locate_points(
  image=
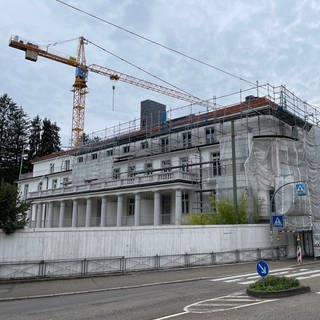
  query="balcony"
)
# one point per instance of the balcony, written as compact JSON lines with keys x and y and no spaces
{"x":162,"y":177}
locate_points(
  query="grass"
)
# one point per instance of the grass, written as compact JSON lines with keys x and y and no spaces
{"x":274,"y":284}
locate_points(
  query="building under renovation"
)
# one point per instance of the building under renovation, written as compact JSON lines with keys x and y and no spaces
{"x":158,"y":169}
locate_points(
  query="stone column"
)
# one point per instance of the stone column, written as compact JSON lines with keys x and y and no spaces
{"x":74,"y":213}
{"x":156,"y":208}
{"x":137,"y":209}
{"x":178,"y":207}
{"x":50,"y":212}
{"x":43,"y":214}
{"x":33,"y":214}
{"x":38,"y":215}
{"x":61,"y":213}
{"x":103,"y":219}
{"x":119,"y":209}
{"x":88,"y":212}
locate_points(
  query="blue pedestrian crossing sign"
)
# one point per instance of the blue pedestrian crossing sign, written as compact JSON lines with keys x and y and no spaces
{"x":300,"y":189}
{"x":262,"y":268}
{"x":278,"y":222}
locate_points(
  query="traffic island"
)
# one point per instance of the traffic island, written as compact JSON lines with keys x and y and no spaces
{"x":276,"y":287}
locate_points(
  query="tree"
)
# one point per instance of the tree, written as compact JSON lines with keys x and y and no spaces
{"x":12,"y":209}
{"x":13,"y":138}
{"x":34,"y":138}
{"x":50,"y":138}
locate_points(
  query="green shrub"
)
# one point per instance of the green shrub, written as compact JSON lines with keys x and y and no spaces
{"x":274,"y":283}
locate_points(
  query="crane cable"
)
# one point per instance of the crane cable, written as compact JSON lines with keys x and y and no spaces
{"x":139,"y":68}
{"x":156,"y":43}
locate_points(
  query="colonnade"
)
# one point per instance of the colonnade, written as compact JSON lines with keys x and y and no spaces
{"x":52,"y":213}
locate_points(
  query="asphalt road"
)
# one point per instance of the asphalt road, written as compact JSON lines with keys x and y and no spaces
{"x":201,"y":293}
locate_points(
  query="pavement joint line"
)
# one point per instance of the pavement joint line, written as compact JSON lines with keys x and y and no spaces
{"x":101,"y":290}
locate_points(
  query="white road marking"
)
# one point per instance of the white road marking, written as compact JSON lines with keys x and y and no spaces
{"x":204,"y":306}
{"x":233,"y":277}
{"x":308,"y":277}
{"x":245,"y":279}
{"x":302,"y":273}
{"x":246,"y":275}
{"x":172,"y":315}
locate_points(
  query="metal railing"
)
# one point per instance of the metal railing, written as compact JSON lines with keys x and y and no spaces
{"x":100,"y":266}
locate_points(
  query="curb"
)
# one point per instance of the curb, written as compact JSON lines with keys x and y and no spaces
{"x":278,"y":294}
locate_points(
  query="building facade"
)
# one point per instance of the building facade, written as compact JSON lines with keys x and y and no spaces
{"x":162,"y":170}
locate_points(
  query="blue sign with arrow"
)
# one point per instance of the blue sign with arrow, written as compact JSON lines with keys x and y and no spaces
{"x":262,"y":268}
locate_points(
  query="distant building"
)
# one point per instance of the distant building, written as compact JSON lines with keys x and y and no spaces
{"x":159,"y":172}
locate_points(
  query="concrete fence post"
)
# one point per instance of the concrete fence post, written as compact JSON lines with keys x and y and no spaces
{"x":213,"y":258}
{"x":41,"y":272}
{"x":123,"y":264}
{"x":259,"y":254}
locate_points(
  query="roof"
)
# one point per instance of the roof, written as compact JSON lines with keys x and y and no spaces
{"x":250,"y":103}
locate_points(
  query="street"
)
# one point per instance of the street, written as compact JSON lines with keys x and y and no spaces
{"x":200,"y":293}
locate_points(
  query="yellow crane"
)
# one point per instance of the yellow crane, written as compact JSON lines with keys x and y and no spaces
{"x":32,"y":51}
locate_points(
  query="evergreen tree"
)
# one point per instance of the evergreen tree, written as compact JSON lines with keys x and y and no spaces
{"x":12,"y":210}
{"x":50,"y":138}
{"x":35,"y":138}
{"x":13,"y":138}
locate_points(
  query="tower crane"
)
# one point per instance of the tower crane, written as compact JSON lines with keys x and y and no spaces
{"x":32,"y":51}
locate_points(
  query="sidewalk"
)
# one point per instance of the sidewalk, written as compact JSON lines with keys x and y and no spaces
{"x":15,"y":290}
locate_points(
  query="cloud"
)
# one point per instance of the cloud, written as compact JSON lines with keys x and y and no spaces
{"x":275,"y":41}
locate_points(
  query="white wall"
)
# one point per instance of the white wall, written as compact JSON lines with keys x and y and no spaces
{"x":68,"y":243}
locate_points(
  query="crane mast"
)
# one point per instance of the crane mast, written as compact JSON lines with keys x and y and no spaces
{"x":79,"y":96}
{"x":32,"y":51}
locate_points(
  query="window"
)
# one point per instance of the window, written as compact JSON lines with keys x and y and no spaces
{"x":186,"y":139}
{"x":166,"y":165}
{"x":165,"y":144}
{"x":67,"y":165}
{"x":51,"y":167}
{"x":40,"y":186}
{"x":130,"y":206}
{"x":148,"y":168}
{"x":80,"y":159}
{"x":54,"y":183}
{"x":94,"y":156}
{"x":25,"y":191}
{"x":184,"y":164}
{"x":131,"y":171}
{"x":144,"y":145}
{"x":126,"y":149}
{"x":185,"y":202}
{"x":65,"y":181}
{"x":210,"y":138}
{"x":216,"y":166}
{"x":109,"y":153}
{"x":116,"y":173}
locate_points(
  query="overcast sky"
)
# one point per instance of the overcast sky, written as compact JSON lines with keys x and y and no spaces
{"x":269,"y":41}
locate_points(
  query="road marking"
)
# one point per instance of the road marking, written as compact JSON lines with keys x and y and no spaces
{"x":245,"y":279}
{"x":308,"y":277}
{"x":208,"y":306}
{"x":233,"y":301}
{"x":172,"y":315}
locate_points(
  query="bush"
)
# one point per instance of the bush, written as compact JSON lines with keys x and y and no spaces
{"x":274,"y":283}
